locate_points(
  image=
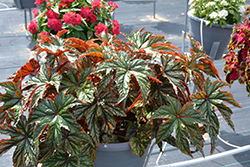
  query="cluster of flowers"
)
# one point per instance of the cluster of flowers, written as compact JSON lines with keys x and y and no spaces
{"x":220,"y":12}
{"x":83,"y":19}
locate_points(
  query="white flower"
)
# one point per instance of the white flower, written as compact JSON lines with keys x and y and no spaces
{"x":223,"y":14}
{"x":210,"y":4}
{"x":224,"y":3}
{"x":242,"y":9}
{"x":192,"y":11}
{"x":213,"y":15}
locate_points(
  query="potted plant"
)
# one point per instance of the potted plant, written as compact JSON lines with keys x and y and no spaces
{"x":83,"y":19}
{"x":77,"y":96}
{"x":236,"y":61}
{"x":219,"y":17}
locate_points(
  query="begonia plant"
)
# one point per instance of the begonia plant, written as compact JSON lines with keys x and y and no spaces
{"x":221,"y":12}
{"x":237,"y":60}
{"x":83,"y":19}
{"x":75,"y":95}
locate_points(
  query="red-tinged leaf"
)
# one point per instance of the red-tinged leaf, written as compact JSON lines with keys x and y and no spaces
{"x":137,"y":101}
{"x":213,"y":96}
{"x":172,"y":70}
{"x":31,"y":67}
{"x":95,"y":79}
{"x":181,"y":120}
{"x":102,"y":107}
{"x":78,"y":83}
{"x":11,"y":98}
{"x":22,"y":137}
{"x":60,"y":33}
{"x":95,"y":56}
{"x":155,"y":79}
{"x":72,"y":142}
{"x":93,"y":46}
{"x":77,"y":43}
{"x":139,"y":145}
{"x":211,"y":66}
{"x":45,"y":39}
{"x":160,"y":92}
{"x":163,"y":46}
{"x":232,"y":76}
{"x":40,"y":84}
{"x":63,"y":159}
{"x":196,"y":47}
{"x":127,"y":67}
{"x":55,"y":113}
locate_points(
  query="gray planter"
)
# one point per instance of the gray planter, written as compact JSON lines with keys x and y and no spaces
{"x":210,"y":35}
{"x":25,"y":4}
{"x":118,"y":155}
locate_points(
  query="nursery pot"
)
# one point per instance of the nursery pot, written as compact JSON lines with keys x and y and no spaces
{"x":118,"y":155}
{"x":210,"y":34}
{"x":24,"y":4}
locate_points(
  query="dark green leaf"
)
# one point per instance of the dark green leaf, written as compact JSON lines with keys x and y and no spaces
{"x":40,"y":83}
{"x":77,"y":83}
{"x":173,"y":72}
{"x":181,"y":119}
{"x":63,"y":159}
{"x":10,"y":98}
{"x":139,"y":145}
{"x":126,"y":67}
{"x":104,"y":107}
{"x":72,"y":142}
{"x":21,"y":137}
{"x":211,"y":96}
{"x":54,"y":114}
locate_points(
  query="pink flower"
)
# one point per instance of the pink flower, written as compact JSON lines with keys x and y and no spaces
{"x":52,"y":15}
{"x":96,"y":3}
{"x":35,"y":12}
{"x":55,"y":24}
{"x":100,"y":28}
{"x":88,"y":14}
{"x":63,"y":6}
{"x":50,"y":4}
{"x":72,"y":18}
{"x":38,"y":2}
{"x":68,"y":1}
{"x":32,"y":28}
{"x":112,"y":4}
{"x":44,"y":33}
{"x":116,"y":28}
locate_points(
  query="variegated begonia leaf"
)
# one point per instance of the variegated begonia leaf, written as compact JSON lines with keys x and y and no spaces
{"x":54,"y":115}
{"x":183,"y":120}
{"x":76,"y":83}
{"x":125,"y":68}
{"x":211,"y":96}
{"x":104,"y":107}
{"x":22,"y":137}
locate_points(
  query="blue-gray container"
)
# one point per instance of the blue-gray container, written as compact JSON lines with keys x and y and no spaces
{"x":210,"y":34}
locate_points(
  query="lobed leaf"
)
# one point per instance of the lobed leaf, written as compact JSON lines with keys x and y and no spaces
{"x":182,"y":120}
{"x":211,"y":96}
{"x":103,"y":107}
{"x":54,"y":115}
{"x":21,"y":137}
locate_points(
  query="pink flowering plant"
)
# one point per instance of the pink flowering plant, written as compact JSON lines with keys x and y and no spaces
{"x":83,"y":19}
{"x":237,"y":60}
